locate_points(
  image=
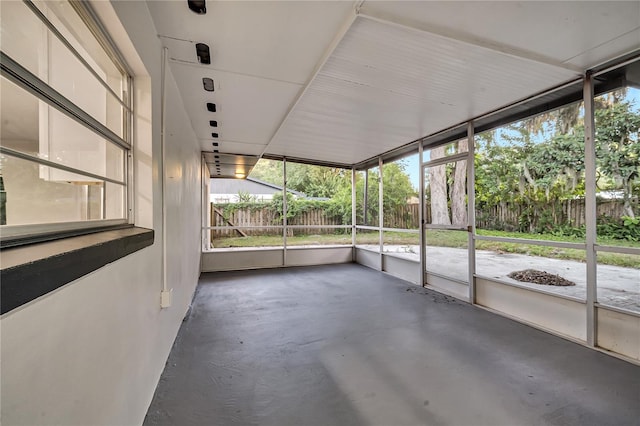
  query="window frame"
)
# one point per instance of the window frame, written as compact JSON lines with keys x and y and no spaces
{"x":14,"y":72}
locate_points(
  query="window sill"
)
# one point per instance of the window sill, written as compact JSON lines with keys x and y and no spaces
{"x":31,"y":271}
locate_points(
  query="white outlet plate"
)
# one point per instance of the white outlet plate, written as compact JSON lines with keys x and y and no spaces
{"x":166,"y":298}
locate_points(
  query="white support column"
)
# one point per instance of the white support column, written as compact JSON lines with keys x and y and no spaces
{"x":130,"y":160}
{"x":162,"y":167}
{"x":205,"y":235}
{"x":284,"y":212}
{"x":421,"y":215}
{"x":365,"y":203}
{"x":380,"y":212}
{"x":354,"y":216}
{"x":590,"y":207}
{"x":471,"y":210}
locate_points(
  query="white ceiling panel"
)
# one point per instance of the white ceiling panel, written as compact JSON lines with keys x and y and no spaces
{"x":559,"y":30}
{"x":248,"y":109}
{"x":386,"y":85}
{"x":612,"y":49}
{"x":292,"y":80}
{"x":262,"y":56}
{"x":281,"y":40}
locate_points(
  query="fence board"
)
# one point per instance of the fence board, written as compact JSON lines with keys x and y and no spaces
{"x":508,"y":217}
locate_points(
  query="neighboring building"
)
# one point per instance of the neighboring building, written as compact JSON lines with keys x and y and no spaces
{"x":229,"y":190}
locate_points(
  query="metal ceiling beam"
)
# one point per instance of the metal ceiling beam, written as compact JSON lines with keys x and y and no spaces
{"x":307,"y":161}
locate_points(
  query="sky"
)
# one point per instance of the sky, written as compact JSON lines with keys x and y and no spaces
{"x":413,"y":170}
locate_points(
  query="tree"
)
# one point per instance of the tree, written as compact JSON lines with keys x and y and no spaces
{"x":447,"y":186}
{"x":556,"y":166}
{"x":397,"y":188}
{"x":459,"y":190}
{"x":618,"y":147}
{"x":314,"y":181}
{"x":437,"y":187}
{"x":497,"y":171}
{"x":268,"y":171}
{"x":367,"y":187}
{"x":318,"y":181}
{"x":534,"y":163}
{"x":526,"y":171}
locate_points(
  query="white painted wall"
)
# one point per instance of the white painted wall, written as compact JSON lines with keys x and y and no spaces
{"x":447,"y":286}
{"x":368,"y":258}
{"x":619,"y":332}
{"x":93,"y":351}
{"x":560,"y":315}
{"x":405,"y":269}
{"x":306,"y":256}
{"x":272,"y":257}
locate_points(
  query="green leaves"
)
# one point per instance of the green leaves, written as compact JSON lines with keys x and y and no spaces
{"x":539,"y":160}
{"x":626,"y":228}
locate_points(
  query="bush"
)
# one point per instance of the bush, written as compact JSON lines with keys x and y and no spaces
{"x":625,"y":228}
{"x":228,"y":209}
{"x":569,"y":231}
{"x":295,"y":207}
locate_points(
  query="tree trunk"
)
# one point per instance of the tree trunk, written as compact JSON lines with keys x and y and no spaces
{"x":459,"y":192}
{"x":627,"y":209}
{"x":438,"y":187}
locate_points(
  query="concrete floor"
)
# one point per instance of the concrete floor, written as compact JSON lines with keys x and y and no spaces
{"x":346,"y":345}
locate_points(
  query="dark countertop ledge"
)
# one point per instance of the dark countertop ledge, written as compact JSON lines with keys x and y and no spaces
{"x":30,"y":271}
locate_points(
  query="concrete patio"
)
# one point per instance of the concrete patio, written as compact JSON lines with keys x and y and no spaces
{"x":617,"y":286}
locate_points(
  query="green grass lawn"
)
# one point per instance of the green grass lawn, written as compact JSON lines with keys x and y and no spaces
{"x":276,"y":240}
{"x":442,"y":238}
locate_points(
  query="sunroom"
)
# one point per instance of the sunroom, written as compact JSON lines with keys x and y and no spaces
{"x":369,"y":212}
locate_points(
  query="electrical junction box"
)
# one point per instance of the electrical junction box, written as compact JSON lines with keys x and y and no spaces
{"x":166,"y":298}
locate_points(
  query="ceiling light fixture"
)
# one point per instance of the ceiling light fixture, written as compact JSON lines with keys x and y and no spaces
{"x":213,"y":123}
{"x":214,"y":135}
{"x":202,"y":51}
{"x":198,"y":6}
{"x":208,"y":84}
{"x":211,"y":107}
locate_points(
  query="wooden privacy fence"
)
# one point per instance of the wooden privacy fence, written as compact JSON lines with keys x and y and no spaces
{"x":506,"y":216}
{"x":265,"y":216}
{"x":511,"y":217}
{"x":243,"y":217}
{"x":404,"y":217}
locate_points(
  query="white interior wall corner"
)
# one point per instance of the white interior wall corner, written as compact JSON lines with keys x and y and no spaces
{"x":93,"y":351}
